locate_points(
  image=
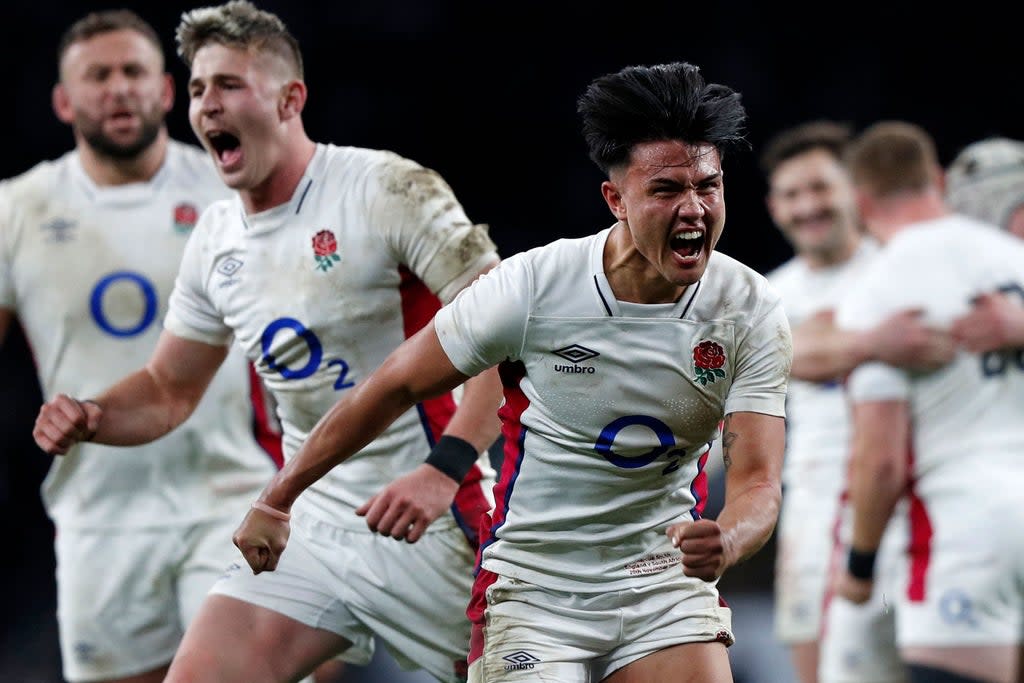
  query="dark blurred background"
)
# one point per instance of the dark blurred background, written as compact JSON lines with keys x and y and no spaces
{"x":485,"y":93}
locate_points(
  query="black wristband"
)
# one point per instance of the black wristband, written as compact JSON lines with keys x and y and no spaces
{"x":453,"y":456}
{"x":861,"y":564}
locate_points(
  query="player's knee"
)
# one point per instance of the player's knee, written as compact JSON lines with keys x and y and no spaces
{"x":926,"y":674}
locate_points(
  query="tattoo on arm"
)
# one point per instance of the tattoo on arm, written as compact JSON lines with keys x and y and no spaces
{"x":728,"y":439}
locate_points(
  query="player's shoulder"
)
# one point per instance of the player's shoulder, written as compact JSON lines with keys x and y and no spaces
{"x":42,"y":180}
{"x":787,"y":274}
{"x":383,"y":172}
{"x":360,"y":160}
{"x":732,"y":290}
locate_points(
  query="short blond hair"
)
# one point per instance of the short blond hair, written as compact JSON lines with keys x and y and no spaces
{"x":237,"y":23}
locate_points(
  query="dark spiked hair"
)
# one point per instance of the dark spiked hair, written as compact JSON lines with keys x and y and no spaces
{"x":662,"y":102}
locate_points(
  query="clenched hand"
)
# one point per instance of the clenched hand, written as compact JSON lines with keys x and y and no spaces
{"x":64,"y":421}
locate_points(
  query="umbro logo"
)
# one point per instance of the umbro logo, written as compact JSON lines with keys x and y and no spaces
{"x":229,"y":266}
{"x":520,"y":659}
{"x":60,"y":229}
{"x":574,"y":353}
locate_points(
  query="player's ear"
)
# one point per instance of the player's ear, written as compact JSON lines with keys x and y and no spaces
{"x":62,"y":104}
{"x":167,"y":96}
{"x":293,"y":100}
{"x":613,"y":197}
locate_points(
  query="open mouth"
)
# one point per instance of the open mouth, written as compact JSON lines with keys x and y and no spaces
{"x":689,"y":244}
{"x":226,"y":146}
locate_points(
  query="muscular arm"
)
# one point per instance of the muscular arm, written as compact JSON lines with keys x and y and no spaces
{"x":878,"y":467}
{"x":823,"y":352}
{"x":752,"y":450}
{"x":140,"y":408}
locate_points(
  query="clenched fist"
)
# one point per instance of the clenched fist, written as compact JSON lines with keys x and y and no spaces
{"x":64,"y":421}
{"x":262,"y":538}
{"x":704,"y":547}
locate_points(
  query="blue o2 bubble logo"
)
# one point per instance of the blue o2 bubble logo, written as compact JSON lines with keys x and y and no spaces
{"x":607,"y":439}
{"x":313,"y":346}
{"x":316,"y":349}
{"x":146,"y":289}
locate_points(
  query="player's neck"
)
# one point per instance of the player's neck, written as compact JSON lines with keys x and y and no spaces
{"x":890,"y":216}
{"x":279,"y":187}
{"x":105,"y":170}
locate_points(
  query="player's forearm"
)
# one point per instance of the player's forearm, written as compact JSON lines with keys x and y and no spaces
{"x":476,"y":419}
{"x":878,"y":467}
{"x":748,"y":519}
{"x":348,"y":426}
{"x":825,"y":355}
{"x":138,"y":410}
{"x":752,"y":451}
{"x":877,"y":481}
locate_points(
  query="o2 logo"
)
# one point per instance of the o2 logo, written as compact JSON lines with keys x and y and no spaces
{"x":666,"y":440}
{"x":149,"y":300}
{"x":313,"y":346}
{"x":999,"y":361}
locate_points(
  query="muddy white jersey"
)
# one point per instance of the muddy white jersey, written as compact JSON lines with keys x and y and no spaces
{"x":318,"y":291}
{"x":88,"y":271}
{"x":817,"y":415}
{"x":973,"y":406}
{"x":610,"y":407}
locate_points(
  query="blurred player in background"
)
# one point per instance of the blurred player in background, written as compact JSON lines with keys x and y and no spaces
{"x":986,"y":181}
{"x":811,"y":201}
{"x":959,"y":613}
{"x":89,"y":248}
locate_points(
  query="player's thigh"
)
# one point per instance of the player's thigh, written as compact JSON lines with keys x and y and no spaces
{"x":117,"y":601}
{"x":530,"y":634}
{"x":413,"y":597}
{"x":687,"y":663}
{"x":535,"y":634}
{"x":233,"y":640}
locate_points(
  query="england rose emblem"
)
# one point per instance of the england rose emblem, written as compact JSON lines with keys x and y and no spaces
{"x":325,"y":249}
{"x":185,"y":217}
{"x":708,"y":359}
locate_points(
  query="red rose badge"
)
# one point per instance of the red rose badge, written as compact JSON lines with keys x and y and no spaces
{"x":708,"y":359}
{"x":325,"y":249}
{"x":185,"y":217}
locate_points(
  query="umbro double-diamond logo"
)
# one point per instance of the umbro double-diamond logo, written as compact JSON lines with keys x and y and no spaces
{"x":520,"y":659}
{"x":575,"y":354}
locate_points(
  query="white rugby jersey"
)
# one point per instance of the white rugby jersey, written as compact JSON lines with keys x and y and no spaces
{"x":610,"y":406}
{"x":973,"y":407}
{"x":817,"y":415}
{"x":318,"y":291}
{"x":88,"y":270}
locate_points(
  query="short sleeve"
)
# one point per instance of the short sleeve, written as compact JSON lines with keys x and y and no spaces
{"x":427,"y":229}
{"x":190,"y":313}
{"x":764,"y":357}
{"x":486,"y":323}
